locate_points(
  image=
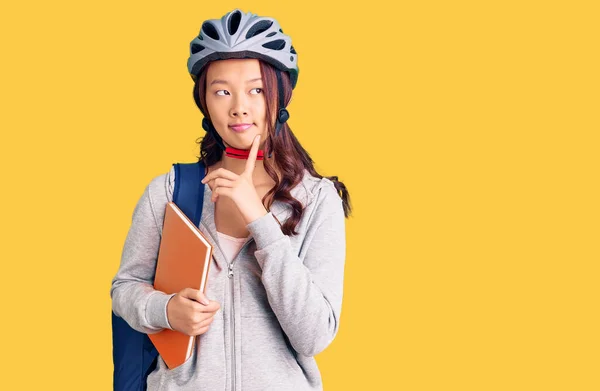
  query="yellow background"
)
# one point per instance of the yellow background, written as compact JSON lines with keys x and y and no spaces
{"x":466,"y":132}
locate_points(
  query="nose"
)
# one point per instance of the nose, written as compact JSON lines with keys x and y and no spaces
{"x":239,"y":107}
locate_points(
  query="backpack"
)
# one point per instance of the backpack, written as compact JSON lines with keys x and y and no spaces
{"x":134,"y":355}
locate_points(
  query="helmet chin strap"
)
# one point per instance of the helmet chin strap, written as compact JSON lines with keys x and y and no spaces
{"x":282,"y":116}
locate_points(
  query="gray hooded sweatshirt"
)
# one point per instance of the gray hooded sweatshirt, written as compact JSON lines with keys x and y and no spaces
{"x":281,"y":297}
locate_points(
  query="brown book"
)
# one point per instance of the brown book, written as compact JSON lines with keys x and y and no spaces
{"x":184,"y":258}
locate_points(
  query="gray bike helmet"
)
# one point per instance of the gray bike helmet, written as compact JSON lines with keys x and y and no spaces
{"x":243,"y":35}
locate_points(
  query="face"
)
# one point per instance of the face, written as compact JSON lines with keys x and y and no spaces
{"x":234,"y":95}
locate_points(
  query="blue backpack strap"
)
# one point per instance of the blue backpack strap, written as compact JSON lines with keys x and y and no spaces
{"x":188,"y":193}
{"x":134,"y":355}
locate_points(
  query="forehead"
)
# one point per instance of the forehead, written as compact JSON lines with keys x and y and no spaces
{"x":233,"y":70}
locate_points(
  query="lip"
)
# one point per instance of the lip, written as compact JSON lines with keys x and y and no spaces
{"x":240,"y":127}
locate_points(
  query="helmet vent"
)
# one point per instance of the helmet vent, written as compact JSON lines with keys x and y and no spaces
{"x":196,"y":47}
{"x":234,"y":22}
{"x":210,"y":31}
{"x":271,"y":34}
{"x":292,"y":50}
{"x":277,"y":44}
{"x":258,"y":28}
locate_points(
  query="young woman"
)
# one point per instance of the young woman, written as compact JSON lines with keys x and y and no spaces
{"x":274,"y":294}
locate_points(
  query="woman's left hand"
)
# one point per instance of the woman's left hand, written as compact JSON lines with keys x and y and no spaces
{"x":239,"y":188}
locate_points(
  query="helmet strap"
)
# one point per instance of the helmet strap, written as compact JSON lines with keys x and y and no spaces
{"x":282,"y":114}
{"x":208,"y":126}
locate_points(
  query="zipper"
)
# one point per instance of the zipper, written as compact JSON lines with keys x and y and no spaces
{"x":232,"y":313}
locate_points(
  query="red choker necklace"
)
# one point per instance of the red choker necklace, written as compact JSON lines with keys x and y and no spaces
{"x":242,"y":153}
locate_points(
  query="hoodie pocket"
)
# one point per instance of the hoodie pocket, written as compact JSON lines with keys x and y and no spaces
{"x":205,"y":369}
{"x":267,"y":358}
{"x":187,"y":362}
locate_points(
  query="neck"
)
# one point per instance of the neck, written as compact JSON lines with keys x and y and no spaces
{"x":239,"y":165}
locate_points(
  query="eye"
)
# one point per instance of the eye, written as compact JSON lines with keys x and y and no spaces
{"x":261,"y":90}
{"x":220,"y":91}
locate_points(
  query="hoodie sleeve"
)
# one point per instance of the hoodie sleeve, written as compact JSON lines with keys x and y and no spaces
{"x":305,"y":295}
{"x":133,"y":295}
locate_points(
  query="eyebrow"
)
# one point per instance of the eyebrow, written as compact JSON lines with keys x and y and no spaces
{"x":219,"y":81}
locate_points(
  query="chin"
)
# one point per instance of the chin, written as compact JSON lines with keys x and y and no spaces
{"x":238,"y":144}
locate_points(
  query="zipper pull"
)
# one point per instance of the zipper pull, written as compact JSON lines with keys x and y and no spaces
{"x":230,"y":274}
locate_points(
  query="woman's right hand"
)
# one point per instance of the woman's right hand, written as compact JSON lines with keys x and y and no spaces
{"x":187,"y":313}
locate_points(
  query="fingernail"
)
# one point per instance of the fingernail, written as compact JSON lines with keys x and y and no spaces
{"x":203,"y":299}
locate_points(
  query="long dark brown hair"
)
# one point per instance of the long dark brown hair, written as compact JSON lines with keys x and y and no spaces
{"x":290,"y":164}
